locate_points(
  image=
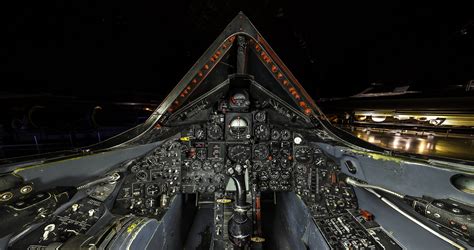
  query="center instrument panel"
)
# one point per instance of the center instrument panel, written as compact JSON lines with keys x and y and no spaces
{"x":264,"y":145}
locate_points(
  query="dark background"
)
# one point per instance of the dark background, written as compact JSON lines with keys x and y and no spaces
{"x":76,"y":72}
{"x":138,"y":50}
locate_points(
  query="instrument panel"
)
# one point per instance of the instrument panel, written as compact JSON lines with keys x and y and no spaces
{"x":259,"y":145}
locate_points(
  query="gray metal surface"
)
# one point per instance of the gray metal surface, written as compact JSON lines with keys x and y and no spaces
{"x":74,"y":171}
{"x":399,"y":175}
{"x":407,"y":233}
{"x":298,"y":230}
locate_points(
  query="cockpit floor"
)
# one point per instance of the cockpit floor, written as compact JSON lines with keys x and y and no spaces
{"x":200,"y":233}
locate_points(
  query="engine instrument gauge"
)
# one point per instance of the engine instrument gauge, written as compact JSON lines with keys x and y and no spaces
{"x":196,"y":165}
{"x":142,"y":175}
{"x":153,"y":189}
{"x":303,"y":155}
{"x":285,"y":134}
{"x":275,"y":135}
{"x":214,"y":131}
{"x":320,"y":161}
{"x":260,"y":116}
{"x":285,"y":163}
{"x":262,"y":132}
{"x":239,"y":153}
{"x":257,"y":166}
{"x":261,"y":152}
{"x":200,"y":134}
{"x":207,"y":165}
{"x":201,"y":153}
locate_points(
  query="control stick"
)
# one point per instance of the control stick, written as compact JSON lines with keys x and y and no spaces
{"x":240,"y":226}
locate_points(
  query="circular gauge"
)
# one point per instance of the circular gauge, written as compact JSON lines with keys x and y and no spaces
{"x":239,"y":128}
{"x":285,"y":151}
{"x":257,"y":166}
{"x":201,"y":153}
{"x":214,"y":132}
{"x":301,"y":169}
{"x":200,"y":134}
{"x":303,"y":155}
{"x":218,"y":166}
{"x":285,"y":163}
{"x":275,"y":135}
{"x":261,"y":152}
{"x":218,"y":178}
{"x":153,"y":189}
{"x":262,"y":132}
{"x":320,"y":161}
{"x":239,"y":100}
{"x":274,"y":185}
{"x":142,"y":175}
{"x":285,"y":134}
{"x":260,"y":116}
{"x":239,"y":153}
{"x":263,"y":176}
{"x":285,"y":175}
{"x":196,"y":165}
{"x":150,"y":203}
{"x":207,"y":165}
{"x":135,"y":168}
{"x":202,"y":189}
{"x":274,"y":175}
{"x":211,"y":188}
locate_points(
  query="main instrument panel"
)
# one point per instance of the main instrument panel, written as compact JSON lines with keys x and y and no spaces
{"x":262,"y":144}
{"x":259,"y":143}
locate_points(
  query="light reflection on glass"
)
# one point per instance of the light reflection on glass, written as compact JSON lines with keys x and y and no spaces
{"x":420,"y":143}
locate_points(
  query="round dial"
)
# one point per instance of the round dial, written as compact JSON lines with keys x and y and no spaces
{"x":285,"y":151}
{"x":153,"y":189}
{"x":285,"y":174}
{"x":239,"y":153}
{"x":261,"y":152}
{"x":239,"y":100}
{"x":214,"y":132}
{"x":218,"y":178}
{"x":320,"y":161}
{"x":238,"y":128}
{"x":207,"y":165}
{"x":218,"y":166}
{"x":260,"y":116}
{"x":142,"y":175}
{"x":274,"y":175}
{"x":285,"y":163}
{"x":285,"y":134}
{"x":275,"y":135}
{"x":200,"y":134}
{"x":196,"y":165}
{"x":201,"y":153}
{"x":303,"y":155}
{"x":263,"y":176}
{"x":211,"y":188}
{"x":257,"y":166}
{"x":301,"y":169}
{"x":262,"y":132}
{"x":135,"y":168}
